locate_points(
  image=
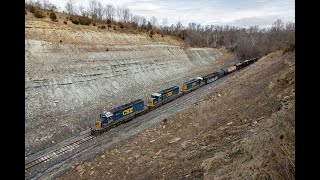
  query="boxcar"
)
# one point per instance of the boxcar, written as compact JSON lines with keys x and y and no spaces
{"x":210,"y":77}
{"x":163,"y":96}
{"x":117,"y":114}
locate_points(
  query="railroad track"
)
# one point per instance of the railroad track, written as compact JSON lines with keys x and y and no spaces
{"x":48,"y":156}
{"x":53,"y":154}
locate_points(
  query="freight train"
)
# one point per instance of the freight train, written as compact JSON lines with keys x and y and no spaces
{"x":127,"y":112}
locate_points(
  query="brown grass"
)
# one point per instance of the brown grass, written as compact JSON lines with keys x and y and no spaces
{"x":283,"y":147}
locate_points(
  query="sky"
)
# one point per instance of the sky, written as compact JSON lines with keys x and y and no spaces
{"x":241,"y":13}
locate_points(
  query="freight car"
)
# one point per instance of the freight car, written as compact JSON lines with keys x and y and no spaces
{"x":210,"y":77}
{"x":246,"y":62}
{"x":220,"y":73}
{"x":118,"y":115}
{"x":229,"y":70}
{"x":240,"y":65}
{"x":192,"y":84}
{"x":162,"y":97}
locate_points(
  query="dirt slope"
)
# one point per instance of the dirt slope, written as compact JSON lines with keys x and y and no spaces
{"x":243,"y":130}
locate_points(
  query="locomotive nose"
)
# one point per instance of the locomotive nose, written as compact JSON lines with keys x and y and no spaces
{"x":150,"y":101}
{"x":98,"y":124}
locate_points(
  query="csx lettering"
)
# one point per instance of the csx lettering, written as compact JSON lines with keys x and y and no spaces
{"x":169,"y":94}
{"x":127,"y":111}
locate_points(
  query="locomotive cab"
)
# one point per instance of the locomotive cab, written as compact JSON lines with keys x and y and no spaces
{"x":199,"y":80}
{"x":155,"y":99}
{"x":105,"y":119}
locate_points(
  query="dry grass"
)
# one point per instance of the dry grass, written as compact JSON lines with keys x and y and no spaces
{"x":283,"y":147}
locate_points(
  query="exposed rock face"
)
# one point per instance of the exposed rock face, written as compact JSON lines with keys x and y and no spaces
{"x":67,"y":85}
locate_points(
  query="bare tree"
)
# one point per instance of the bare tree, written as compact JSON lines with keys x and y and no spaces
{"x":126,"y":14}
{"x":99,"y":11}
{"x":178,"y":26}
{"x":143,"y":22}
{"x":290,"y":26}
{"x":120,"y":13}
{"x":278,"y":25}
{"x":135,"y":21}
{"x":164,"y":23}
{"x":70,"y":7}
{"x":215,"y":37}
{"x":93,"y":9}
{"x":110,"y":12}
{"x":192,"y":26}
{"x":83,"y":11}
{"x":46,"y":4}
{"x":37,"y":4}
{"x":153,"y":21}
{"x":164,"y":26}
{"x":253,"y":34}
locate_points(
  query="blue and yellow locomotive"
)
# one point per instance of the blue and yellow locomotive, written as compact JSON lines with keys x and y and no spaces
{"x":119,"y":114}
{"x":192,"y":84}
{"x":163,"y":96}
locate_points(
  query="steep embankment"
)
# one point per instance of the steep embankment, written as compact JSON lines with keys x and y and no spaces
{"x":73,"y":73}
{"x":243,"y":130}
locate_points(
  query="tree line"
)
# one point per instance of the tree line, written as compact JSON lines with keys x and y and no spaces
{"x":245,"y":42}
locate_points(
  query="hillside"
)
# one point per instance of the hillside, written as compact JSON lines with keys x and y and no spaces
{"x":243,"y":130}
{"x":74,"y":72}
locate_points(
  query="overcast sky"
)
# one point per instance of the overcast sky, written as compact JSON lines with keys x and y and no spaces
{"x":242,"y":13}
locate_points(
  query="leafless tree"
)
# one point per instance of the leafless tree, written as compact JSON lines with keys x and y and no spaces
{"x":37,"y":4}
{"x":135,"y":21}
{"x":45,"y":4}
{"x":178,"y":28}
{"x":126,"y":14}
{"x":93,"y":9}
{"x":119,"y":11}
{"x":253,"y":34}
{"x":192,"y":26}
{"x":70,"y":7}
{"x":99,"y":11}
{"x":164,"y":23}
{"x":143,"y":22}
{"x":278,"y":25}
{"x":153,"y":21}
{"x":110,"y":12}
{"x":48,"y":6}
{"x":83,"y":12}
